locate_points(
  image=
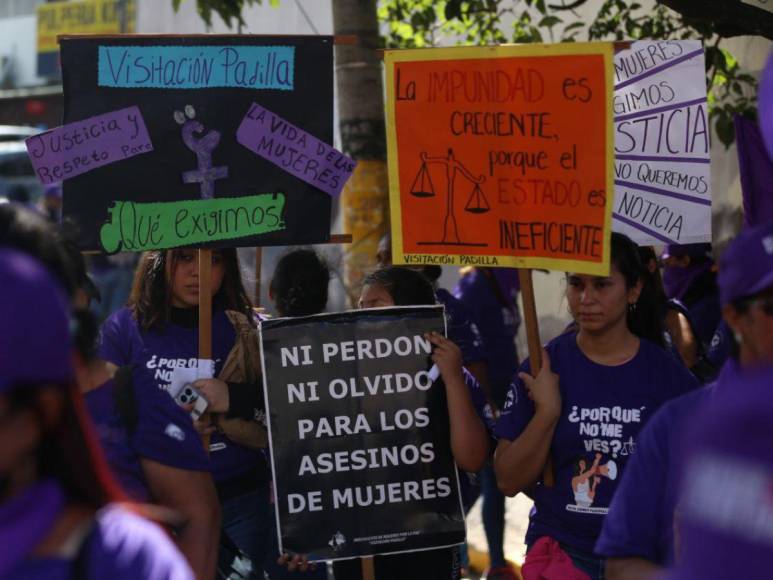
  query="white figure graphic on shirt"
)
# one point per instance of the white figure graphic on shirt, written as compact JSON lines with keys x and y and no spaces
{"x":586,"y":479}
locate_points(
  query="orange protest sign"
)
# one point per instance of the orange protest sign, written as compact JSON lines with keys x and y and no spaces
{"x":501,"y":156}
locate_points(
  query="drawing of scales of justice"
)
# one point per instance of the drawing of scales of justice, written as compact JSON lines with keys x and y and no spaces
{"x":476,"y":204}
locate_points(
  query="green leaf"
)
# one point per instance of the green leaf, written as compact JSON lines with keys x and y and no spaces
{"x":725,"y":128}
{"x":453,"y":9}
{"x":549,"y":21}
{"x":573,"y":25}
{"x":730,"y":60}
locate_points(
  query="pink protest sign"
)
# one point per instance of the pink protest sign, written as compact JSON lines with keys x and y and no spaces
{"x":79,"y":147}
{"x":294,"y":150}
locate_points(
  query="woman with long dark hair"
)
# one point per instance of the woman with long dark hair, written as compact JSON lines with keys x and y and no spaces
{"x":597,"y":387}
{"x":395,"y":286}
{"x":159,"y":331}
{"x":58,"y":519}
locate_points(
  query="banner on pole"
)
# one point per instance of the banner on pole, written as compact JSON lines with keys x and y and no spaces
{"x":197,"y":184}
{"x":501,"y":156}
{"x":359,"y":434}
{"x":662,"y":143}
{"x":78,"y":17}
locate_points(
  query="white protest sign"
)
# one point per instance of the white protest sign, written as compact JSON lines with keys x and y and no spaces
{"x":662,"y":143}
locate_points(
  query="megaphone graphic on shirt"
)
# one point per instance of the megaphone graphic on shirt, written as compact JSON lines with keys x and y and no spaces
{"x":608,"y":470}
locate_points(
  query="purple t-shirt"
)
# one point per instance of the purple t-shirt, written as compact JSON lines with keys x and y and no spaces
{"x":603,"y":410}
{"x":480,"y":402}
{"x":123,"y":546}
{"x":640,"y":522}
{"x":468,"y":482}
{"x":163,"y":432}
{"x":461,"y":327}
{"x":497,"y":320}
{"x":123,"y":342}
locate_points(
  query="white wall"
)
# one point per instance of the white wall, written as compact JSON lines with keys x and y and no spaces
{"x":751,"y":52}
{"x":157,"y":16}
{"x":18,"y":39}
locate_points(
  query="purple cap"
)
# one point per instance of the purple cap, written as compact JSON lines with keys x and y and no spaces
{"x":765,"y":100}
{"x":746,"y":266}
{"x":695,"y":251}
{"x":35,"y":334}
{"x":725,"y":516}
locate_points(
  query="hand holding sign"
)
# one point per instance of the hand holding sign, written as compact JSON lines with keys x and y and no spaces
{"x":295,"y":562}
{"x":446,"y":355}
{"x":543,"y":389}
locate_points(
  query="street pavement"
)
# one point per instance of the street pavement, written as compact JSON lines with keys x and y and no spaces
{"x":516,"y":520}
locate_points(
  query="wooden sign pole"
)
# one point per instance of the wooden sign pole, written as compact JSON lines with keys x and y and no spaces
{"x":535,"y":345}
{"x":205,"y":310}
{"x":205,"y":304}
{"x":368,"y":568}
{"x":530,"y":320}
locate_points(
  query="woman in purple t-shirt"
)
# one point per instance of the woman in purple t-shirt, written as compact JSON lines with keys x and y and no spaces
{"x":581,"y":414}
{"x":158,"y":330}
{"x":58,"y":519}
{"x":395,"y":286}
{"x":151,"y":446}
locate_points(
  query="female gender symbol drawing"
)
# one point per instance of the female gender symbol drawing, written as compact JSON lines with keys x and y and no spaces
{"x":203,"y":148}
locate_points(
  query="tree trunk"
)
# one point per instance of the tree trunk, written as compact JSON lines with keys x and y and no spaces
{"x":365,"y":199}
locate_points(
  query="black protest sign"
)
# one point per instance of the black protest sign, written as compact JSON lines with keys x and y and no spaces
{"x":359,"y":434}
{"x":197,"y":185}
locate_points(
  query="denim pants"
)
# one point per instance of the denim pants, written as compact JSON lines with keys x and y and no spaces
{"x":249,"y":521}
{"x":493,"y":512}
